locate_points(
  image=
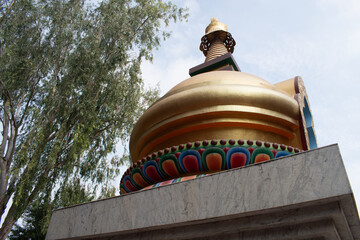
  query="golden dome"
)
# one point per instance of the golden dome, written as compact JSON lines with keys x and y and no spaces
{"x":217,"y":105}
{"x":224,"y":105}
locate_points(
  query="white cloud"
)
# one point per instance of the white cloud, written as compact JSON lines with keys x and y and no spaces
{"x":348,"y":9}
{"x":193,"y":6}
{"x":168,"y":74}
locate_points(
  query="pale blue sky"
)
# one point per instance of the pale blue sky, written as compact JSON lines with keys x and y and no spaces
{"x":318,"y":40}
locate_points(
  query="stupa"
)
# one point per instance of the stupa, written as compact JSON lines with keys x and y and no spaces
{"x":218,"y":119}
{"x":223,"y":155}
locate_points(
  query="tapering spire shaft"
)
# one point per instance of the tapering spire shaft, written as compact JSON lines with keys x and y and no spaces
{"x":217,"y":41}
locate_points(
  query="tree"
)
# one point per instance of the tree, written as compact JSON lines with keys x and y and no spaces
{"x":37,"y":216}
{"x":70,"y":86}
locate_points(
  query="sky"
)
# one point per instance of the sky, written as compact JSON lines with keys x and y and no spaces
{"x":318,"y":40}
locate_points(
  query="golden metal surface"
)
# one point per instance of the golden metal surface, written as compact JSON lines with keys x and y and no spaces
{"x":217,"y":49}
{"x":224,"y":105}
{"x":217,"y":40}
{"x":221,"y":77}
{"x":217,"y":105}
{"x":287,"y":86}
{"x":215,"y":25}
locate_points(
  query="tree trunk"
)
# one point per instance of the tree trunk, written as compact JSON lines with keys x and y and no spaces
{"x":6,"y":227}
{"x":3,"y":202}
{"x":3,"y":180}
{"x":4,"y":144}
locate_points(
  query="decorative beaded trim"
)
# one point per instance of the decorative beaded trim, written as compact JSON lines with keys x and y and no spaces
{"x":196,"y":158}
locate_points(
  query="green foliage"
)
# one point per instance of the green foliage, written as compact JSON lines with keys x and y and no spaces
{"x":34,"y":217}
{"x":71,"y":87}
{"x":37,"y":215}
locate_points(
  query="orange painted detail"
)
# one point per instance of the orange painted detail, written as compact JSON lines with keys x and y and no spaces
{"x":262,"y":157}
{"x":188,"y":178}
{"x":213,"y":161}
{"x":129,"y":186}
{"x":170,"y":168}
{"x":138,"y":179}
{"x":122,"y":191}
{"x":166,"y":183}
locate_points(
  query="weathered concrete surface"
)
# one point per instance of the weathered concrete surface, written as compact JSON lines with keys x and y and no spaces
{"x":303,"y":196}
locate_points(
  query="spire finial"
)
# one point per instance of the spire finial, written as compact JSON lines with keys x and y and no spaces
{"x":215,"y":25}
{"x":217,"y":40}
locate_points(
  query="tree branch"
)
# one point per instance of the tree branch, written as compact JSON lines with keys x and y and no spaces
{"x":28,"y":102}
{"x":18,"y":105}
{"x":5,"y":197}
{"x":7,"y":11}
{"x":141,"y":25}
{"x":11,"y":146}
{"x":9,"y":222}
{"x":3,"y":183}
{"x":5,"y":129}
{"x":98,"y":132}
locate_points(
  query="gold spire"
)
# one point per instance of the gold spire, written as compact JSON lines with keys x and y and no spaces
{"x":215,"y":25}
{"x":217,"y":41}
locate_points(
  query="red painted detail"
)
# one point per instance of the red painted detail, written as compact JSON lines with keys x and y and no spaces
{"x":274,"y":152}
{"x":152,"y":173}
{"x":129,"y":186}
{"x":238,"y":159}
{"x":190,"y":163}
{"x":201,"y":150}
{"x":250,"y":149}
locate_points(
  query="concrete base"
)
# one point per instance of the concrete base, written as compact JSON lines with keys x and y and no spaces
{"x":302,"y":196}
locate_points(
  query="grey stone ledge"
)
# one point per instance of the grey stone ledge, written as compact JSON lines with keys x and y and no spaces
{"x":307,"y":195}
